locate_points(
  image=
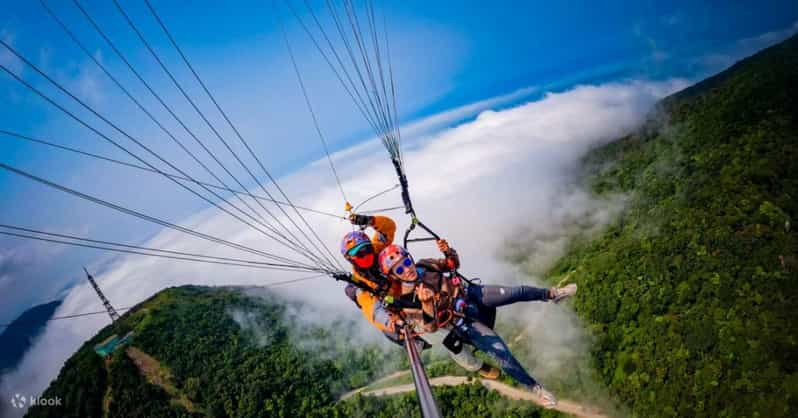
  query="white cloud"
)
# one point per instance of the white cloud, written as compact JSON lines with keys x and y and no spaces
{"x":476,"y":184}
{"x":418,"y":130}
{"x":443,"y":119}
{"x":19,"y":263}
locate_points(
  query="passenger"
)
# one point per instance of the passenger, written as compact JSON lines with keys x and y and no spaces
{"x":467,"y":313}
{"x":361,"y":251}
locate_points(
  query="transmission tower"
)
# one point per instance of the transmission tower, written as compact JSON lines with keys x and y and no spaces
{"x":111,"y":311}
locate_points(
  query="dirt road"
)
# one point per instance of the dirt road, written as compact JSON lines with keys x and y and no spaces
{"x":393,"y":375}
{"x":563,"y":405}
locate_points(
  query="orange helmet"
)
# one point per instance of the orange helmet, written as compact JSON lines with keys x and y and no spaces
{"x":395,"y":261}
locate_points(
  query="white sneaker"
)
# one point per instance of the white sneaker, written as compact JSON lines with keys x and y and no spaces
{"x":545,"y":398}
{"x":560,"y":293}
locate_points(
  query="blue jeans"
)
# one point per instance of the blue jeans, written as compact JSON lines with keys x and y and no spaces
{"x":488,"y":298}
{"x":486,"y":340}
{"x":495,"y":296}
{"x":479,"y":331}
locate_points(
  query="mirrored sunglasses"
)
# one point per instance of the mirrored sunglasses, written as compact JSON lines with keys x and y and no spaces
{"x":401,"y":267}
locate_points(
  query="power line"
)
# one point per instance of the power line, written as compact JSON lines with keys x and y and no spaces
{"x":119,"y":250}
{"x":213,"y":129}
{"x":273,"y":284}
{"x":63,"y":317}
{"x":393,"y":87}
{"x":380,"y":114}
{"x":108,"y":204}
{"x":383,"y":210}
{"x":148,"y":217}
{"x":376,"y":47}
{"x":386,"y":117}
{"x":143,"y":168}
{"x":284,"y":282}
{"x":106,"y":244}
{"x":312,"y":113}
{"x":344,"y":38}
{"x":293,"y":245}
{"x":394,"y":187}
{"x":94,"y":112}
{"x":364,"y":55}
{"x":390,"y":99}
{"x":353,"y":91}
{"x":240,"y":137}
{"x":91,"y":56}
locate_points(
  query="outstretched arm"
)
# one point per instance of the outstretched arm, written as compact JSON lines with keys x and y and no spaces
{"x":384,"y":229}
{"x":451,"y":262}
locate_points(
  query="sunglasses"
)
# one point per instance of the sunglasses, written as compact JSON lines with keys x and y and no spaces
{"x":361,"y":251}
{"x":400,"y":268}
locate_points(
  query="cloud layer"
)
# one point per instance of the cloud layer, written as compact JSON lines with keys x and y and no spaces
{"x":476,"y":184}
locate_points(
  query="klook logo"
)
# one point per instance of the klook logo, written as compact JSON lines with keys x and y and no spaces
{"x":18,"y":401}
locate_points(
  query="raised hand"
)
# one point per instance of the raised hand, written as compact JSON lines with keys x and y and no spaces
{"x":360,"y":220}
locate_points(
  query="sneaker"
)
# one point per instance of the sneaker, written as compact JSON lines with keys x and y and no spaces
{"x":545,"y":398}
{"x":489,"y":372}
{"x":560,"y":293}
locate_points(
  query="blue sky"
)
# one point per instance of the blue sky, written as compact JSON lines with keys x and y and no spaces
{"x":446,"y":54}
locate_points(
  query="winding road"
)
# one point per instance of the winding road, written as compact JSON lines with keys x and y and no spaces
{"x":563,"y":405}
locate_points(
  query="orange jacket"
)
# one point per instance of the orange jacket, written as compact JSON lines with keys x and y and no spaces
{"x":371,"y":307}
{"x":384,"y":231}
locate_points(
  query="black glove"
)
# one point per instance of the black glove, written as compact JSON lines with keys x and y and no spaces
{"x":347,"y":277}
{"x":398,"y":327}
{"x":360,"y":220}
{"x":421,"y":344}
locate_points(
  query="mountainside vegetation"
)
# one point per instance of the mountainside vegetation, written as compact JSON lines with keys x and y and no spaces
{"x":692,"y":294}
{"x":212,"y":352}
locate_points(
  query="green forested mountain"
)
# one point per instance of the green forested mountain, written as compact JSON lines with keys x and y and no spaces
{"x":692,"y":294}
{"x":211,"y":352}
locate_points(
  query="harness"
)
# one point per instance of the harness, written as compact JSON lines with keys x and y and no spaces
{"x":381,"y":284}
{"x":439,"y":310}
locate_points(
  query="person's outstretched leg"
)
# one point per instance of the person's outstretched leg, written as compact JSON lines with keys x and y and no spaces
{"x":491,"y":344}
{"x":465,"y":358}
{"x":482,"y":337}
{"x":494,"y":296}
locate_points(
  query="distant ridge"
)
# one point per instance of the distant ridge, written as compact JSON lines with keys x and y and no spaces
{"x":17,"y":337}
